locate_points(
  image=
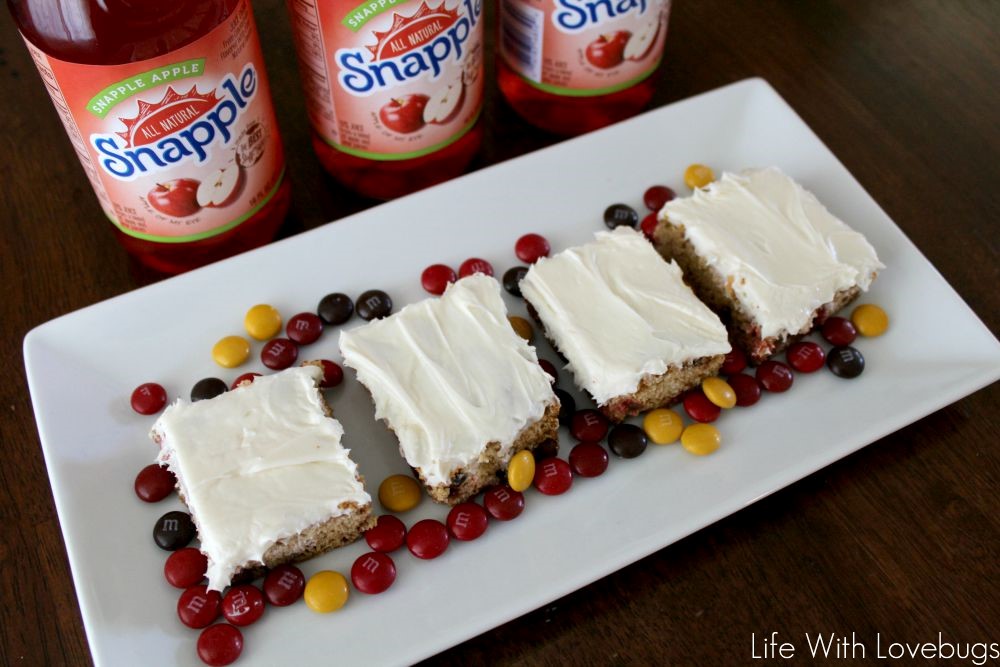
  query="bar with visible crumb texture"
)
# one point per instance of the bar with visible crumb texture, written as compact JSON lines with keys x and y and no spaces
{"x":263,"y":473}
{"x":634,"y":335}
{"x":461,"y":391}
{"x":766,"y":255}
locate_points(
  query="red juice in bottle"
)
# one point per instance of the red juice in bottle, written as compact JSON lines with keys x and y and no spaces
{"x":572,"y":66}
{"x":168,"y":107}
{"x":394,"y":89}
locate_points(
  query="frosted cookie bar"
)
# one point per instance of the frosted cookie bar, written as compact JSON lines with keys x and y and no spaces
{"x":634,"y":335}
{"x":461,"y":391}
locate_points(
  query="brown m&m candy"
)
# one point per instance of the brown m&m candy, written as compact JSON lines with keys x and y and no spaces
{"x":373,"y":305}
{"x":567,"y":406}
{"x":512,"y":280}
{"x":845,"y":362}
{"x":173,"y":531}
{"x":620,"y":215}
{"x":207,"y":388}
{"x":627,"y":441}
{"x":335,"y":308}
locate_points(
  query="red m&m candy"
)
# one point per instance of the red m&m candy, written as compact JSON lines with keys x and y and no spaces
{"x":279,"y":353}
{"x":549,"y":368}
{"x":148,"y":398}
{"x":304,"y":328}
{"x":436,"y":277}
{"x":427,"y":539}
{"x":531,"y":247}
{"x":553,"y":476}
{"x":284,"y":585}
{"x":220,"y":645}
{"x":387,"y":535}
{"x":373,"y":572}
{"x":648,"y":225}
{"x":333,"y":374}
{"x":154,"y":483}
{"x":243,"y":605}
{"x":198,"y":606}
{"x":467,"y":521}
{"x":699,"y":408}
{"x":656,"y":196}
{"x":734,"y":362}
{"x":775,"y":376}
{"x":185,"y":567}
{"x":475,"y":265}
{"x":746,"y":387}
{"x":246,"y":377}
{"x":588,"y":459}
{"x":805,"y":356}
{"x":503,"y":503}
{"x":839,"y":331}
{"x":588,"y":425}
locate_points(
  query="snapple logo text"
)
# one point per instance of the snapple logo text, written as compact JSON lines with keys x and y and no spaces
{"x":572,"y":16}
{"x":361,"y":75}
{"x":126,"y":162}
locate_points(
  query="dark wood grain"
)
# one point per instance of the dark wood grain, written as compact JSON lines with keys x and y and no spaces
{"x":901,"y":538}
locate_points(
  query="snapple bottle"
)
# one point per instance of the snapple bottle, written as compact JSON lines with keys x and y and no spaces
{"x":571,"y":66}
{"x":394,"y":89}
{"x":168,"y":107}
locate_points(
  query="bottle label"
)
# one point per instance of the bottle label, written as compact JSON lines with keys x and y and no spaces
{"x":179,"y":147}
{"x":390,"y":79}
{"x":583,"y":48}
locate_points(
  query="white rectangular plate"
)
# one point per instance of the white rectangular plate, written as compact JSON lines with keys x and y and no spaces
{"x":83,"y":366}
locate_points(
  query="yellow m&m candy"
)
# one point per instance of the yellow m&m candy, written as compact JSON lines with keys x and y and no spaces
{"x":719,"y":392}
{"x":231,"y":351}
{"x":522,"y":327}
{"x":521,"y":470}
{"x":698,"y":176}
{"x":326,"y":591}
{"x":662,"y":426}
{"x":399,"y":493}
{"x":262,"y":321}
{"x":701,"y":439}
{"x":870,"y":320}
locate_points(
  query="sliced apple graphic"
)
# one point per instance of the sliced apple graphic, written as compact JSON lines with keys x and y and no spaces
{"x":221,"y":187}
{"x":444,"y":105}
{"x":641,"y":43}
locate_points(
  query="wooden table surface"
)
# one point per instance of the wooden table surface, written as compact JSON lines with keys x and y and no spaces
{"x":901,"y":538}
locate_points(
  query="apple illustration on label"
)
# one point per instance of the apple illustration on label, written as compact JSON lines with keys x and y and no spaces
{"x":404,"y":114}
{"x":443,"y":106}
{"x":608,"y":51}
{"x":177,"y":198}
{"x":222,"y":187}
{"x":641,"y":43}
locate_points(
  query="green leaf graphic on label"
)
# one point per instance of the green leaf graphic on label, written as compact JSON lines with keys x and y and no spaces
{"x":366,"y":11}
{"x":101,"y":103}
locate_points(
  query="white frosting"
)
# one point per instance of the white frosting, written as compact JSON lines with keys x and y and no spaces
{"x":785,"y":253}
{"x":449,"y":376}
{"x":618,"y":312}
{"x":257,"y":464}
